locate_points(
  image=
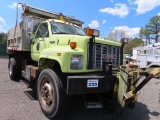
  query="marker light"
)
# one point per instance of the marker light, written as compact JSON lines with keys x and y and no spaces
{"x":58,"y":54}
{"x":26,"y":9}
{"x":61,"y":18}
{"x":73,"y":45}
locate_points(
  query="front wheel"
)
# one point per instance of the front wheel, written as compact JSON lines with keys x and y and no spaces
{"x":52,"y":97}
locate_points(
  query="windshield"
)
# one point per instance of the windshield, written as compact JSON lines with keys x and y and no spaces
{"x":61,"y":28}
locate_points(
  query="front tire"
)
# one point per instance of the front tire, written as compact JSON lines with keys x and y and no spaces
{"x":52,"y":97}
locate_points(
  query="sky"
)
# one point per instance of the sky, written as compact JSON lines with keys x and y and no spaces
{"x":103,"y":15}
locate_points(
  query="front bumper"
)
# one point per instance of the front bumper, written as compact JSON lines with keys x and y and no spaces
{"x":90,"y":84}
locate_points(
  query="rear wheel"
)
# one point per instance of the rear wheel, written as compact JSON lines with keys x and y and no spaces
{"x":14,"y":73}
{"x":52,"y":97}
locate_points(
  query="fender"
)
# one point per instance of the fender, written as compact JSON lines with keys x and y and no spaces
{"x":155,"y":64}
{"x":51,"y":57}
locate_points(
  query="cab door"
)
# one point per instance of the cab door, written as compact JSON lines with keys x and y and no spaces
{"x":40,"y":40}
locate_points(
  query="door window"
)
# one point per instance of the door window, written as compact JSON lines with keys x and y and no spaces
{"x":43,"y":30}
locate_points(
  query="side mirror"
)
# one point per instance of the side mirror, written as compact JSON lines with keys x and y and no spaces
{"x":124,"y":40}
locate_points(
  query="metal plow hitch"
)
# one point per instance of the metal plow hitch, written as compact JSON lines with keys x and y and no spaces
{"x":130,"y":85}
{"x":155,"y":73}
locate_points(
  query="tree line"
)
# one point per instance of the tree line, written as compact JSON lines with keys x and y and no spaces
{"x":147,"y":35}
{"x":3,"y":38}
{"x":151,"y":31}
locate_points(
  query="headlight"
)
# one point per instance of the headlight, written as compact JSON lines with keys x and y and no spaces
{"x":76,"y":62}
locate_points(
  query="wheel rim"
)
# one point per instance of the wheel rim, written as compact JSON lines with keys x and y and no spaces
{"x":47,"y":95}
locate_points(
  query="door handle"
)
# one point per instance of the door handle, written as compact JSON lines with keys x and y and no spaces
{"x":38,"y":46}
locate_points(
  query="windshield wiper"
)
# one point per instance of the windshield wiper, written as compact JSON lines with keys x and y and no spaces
{"x":80,"y":34}
{"x":61,"y":33}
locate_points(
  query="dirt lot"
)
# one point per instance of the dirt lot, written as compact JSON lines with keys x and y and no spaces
{"x":16,"y":105}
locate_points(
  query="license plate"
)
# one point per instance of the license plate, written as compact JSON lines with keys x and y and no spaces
{"x":92,"y":83}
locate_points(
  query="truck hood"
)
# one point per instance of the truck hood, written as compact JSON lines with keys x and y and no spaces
{"x":82,"y":40}
{"x":86,"y":39}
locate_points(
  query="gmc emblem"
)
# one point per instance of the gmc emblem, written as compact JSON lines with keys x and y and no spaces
{"x":108,"y":56}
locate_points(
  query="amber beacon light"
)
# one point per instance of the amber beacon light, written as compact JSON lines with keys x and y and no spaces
{"x":92,"y":32}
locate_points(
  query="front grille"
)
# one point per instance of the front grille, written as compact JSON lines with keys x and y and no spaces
{"x":105,"y":53}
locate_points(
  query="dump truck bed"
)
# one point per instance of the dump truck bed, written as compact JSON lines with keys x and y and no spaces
{"x":18,"y":38}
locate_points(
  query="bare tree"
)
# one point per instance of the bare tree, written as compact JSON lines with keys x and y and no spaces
{"x":116,"y":35}
{"x":122,"y":34}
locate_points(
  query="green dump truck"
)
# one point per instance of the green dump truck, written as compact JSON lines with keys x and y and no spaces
{"x":51,"y":51}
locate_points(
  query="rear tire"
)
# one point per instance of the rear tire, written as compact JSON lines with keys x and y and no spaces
{"x":51,"y":94}
{"x":14,"y":73}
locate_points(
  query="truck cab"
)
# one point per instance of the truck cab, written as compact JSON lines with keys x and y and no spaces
{"x":53,"y":36}
{"x":51,"y":33}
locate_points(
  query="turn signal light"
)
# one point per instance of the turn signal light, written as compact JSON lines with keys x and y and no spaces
{"x":73,"y":45}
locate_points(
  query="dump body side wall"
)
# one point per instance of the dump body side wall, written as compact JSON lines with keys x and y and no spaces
{"x":18,"y":38}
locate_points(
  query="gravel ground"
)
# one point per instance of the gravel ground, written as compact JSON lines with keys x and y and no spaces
{"x":16,"y":105}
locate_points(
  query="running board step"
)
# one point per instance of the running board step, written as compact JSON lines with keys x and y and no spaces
{"x":27,"y":79}
{"x":92,"y":101}
{"x":25,"y":82}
